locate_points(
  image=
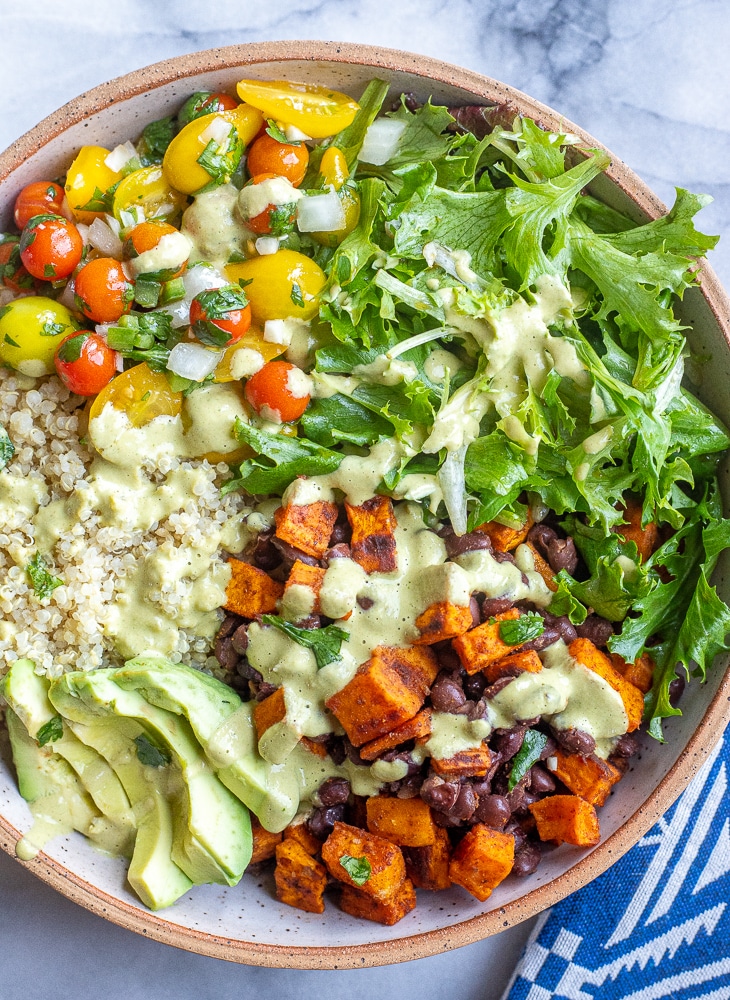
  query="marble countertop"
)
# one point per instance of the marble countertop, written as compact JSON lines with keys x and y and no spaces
{"x":649,"y":79}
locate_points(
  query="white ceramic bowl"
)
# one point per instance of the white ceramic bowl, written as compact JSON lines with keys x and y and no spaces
{"x":247,"y":924}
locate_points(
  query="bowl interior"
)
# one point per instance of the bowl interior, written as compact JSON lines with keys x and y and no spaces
{"x":247,"y":923}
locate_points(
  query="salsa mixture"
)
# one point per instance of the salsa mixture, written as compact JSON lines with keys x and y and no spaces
{"x":354,"y":509}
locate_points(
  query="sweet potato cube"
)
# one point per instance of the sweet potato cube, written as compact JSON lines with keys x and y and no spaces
{"x":387,"y":690}
{"x":308,"y":526}
{"x":640,"y":673}
{"x":566,"y":819}
{"x":405,"y":822}
{"x":373,"y":526}
{"x":314,"y":746}
{"x":443,"y":620}
{"x":300,"y":833}
{"x":300,"y":879}
{"x":386,"y":911}
{"x":268,"y":712}
{"x":417,"y":727}
{"x":543,"y":567}
{"x":264,"y":842}
{"x":584,"y":651}
{"x":481,"y":860}
{"x":304,"y":575}
{"x":515,"y":663}
{"x":482,"y":646}
{"x":504,"y":538}
{"x":647,"y":538}
{"x":471,"y":763}
{"x":590,"y":777}
{"x":387,"y":867}
{"x":250,"y":591}
{"x":428,"y":867}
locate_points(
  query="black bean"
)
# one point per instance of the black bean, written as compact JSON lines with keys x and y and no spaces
{"x":245,"y":669}
{"x":676,"y":689}
{"x":439,"y":794}
{"x":474,"y":685}
{"x":459,"y":545}
{"x":493,"y":810}
{"x":340,"y":551}
{"x":476,"y":615}
{"x":465,"y":804}
{"x":409,"y":787}
{"x":548,"y":637}
{"x":597,"y":629}
{"x":575,"y":741}
{"x":290,"y":554}
{"x":228,"y":626}
{"x":562,"y":554}
{"x":516,"y":799}
{"x":264,"y":690}
{"x":336,"y":750}
{"x":311,"y":621}
{"x":504,"y":557}
{"x":225,"y":654}
{"x":474,"y":710}
{"x":365,"y":602}
{"x":482,"y":786}
{"x":444,"y":819}
{"x":508,"y":741}
{"x":413,"y":766}
{"x":265,"y":554}
{"x":541,"y":536}
{"x":447,"y":694}
{"x":239,"y":639}
{"x":549,"y":749}
{"x":541,"y":783}
{"x":566,"y":629}
{"x":447,"y":656}
{"x":321,"y":821}
{"x":241,"y":686}
{"x":354,"y":754}
{"x":333,"y":791}
{"x":499,"y":685}
{"x":627,"y":745}
{"x":341,"y":532}
{"x":527,"y":858}
{"x":492,"y":606}
{"x":516,"y":829}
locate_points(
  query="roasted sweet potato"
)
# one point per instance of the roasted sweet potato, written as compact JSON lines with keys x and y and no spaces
{"x":373,"y":526}
{"x":647,"y":538}
{"x":481,"y":860}
{"x":250,"y":591}
{"x":387,"y":690}
{"x":428,"y":867}
{"x":543,"y":567}
{"x":386,"y":911}
{"x":471,"y":763}
{"x":264,"y":842}
{"x":443,"y":620}
{"x":417,"y":727}
{"x":315,"y":747}
{"x":504,"y":538}
{"x":482,"y":646}
{"x":300,"y":833}
{"x":566,"y":819}
{"x":514,"y":663}
{"x":590,"y":777}
{"x":300,"y":879}
{"x":307,"y":527}
{"x":590,"y":656}
{"x":387,"y":867}
{"x":640,"y":673}
{"x":268,"y":712}
{"x":405,"y":822}
{"x":304,"y":575}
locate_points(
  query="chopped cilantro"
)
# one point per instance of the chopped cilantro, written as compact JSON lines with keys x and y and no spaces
{"x":296,"y":295}
{"x":42,"y":580}
{"x":533,"y":744}
{"x":7,"y":448}
{"x":359,"y":869}
{"x":277,"y":133}
{"x":70,"y":350}
{"x":324,"y":642}
{"x":151,"y":754}
{"x":281,"y":221}
{"x":9,"y":340}
{"x":100,"y":201}
{"x":51,"y":329}
{"x":50,"y":731}
{"x":521,"y":629}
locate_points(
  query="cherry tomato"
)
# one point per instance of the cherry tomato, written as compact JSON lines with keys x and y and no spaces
{"x":31,"y":328}
{"x":203,"y":102}
{"x":88,"y":184}
{"x":269,"y":156}
{"x":50,"y":247}
{"x":316,"y":111}
{"x":101,"y":290}
{"x":275,"y":220}
{"x":238,"y":358}
{"x":196,"y":158}
{"x":39,"y":198}
{"x":12,"y":273}
{"x":220,"y":316}
{"x":145,"y":237}
{"x":85,"y":363}
{"x":279,"y":391}
{"x":283,"y":284}
{"x":147,"y":189}
{"x":140,"y":393}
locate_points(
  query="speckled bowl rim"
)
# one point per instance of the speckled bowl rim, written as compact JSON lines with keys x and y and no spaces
{"x":699,"y":746}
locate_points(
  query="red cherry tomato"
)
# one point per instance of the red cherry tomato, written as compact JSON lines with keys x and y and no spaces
{"x":12,"y":273}
{"x":220,"y":316}
{"x":50,"y":247}
{"x":269,"y":156}
{"x":85,"y":363}
{"x":102,"y":291}
{"x":275,"y":220}
{"x":39,"y":198}
{"x":204,"y":103}
{"x":278,"y":391}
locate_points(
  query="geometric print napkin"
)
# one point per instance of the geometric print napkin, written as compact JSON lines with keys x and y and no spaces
{"x":657,"y":923}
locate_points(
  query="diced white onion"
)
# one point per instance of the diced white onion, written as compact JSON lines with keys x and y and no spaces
{"x":113,"y":224}
{"x":453,"y":485}
{"x":120,"y":156}
{"x":131,"y":216}
{"x":218,"y":130}
{"x":381,"y":140}
{"x":196,"y":279}
{"x":102,"y":329}
{"x":192,"y":361}
{"x":66,"y":298}
{"x":83,"y":232}
{"x":104,"y":239}
{"x":552,"y":763}
{"x":320,"y":213}
{"x":266,"y":245}
{"x":295,"y":134}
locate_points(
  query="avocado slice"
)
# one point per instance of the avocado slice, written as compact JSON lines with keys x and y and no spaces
{"x":212,"y":842}
{"x":153,"y":875}
{"x":27,"y":694}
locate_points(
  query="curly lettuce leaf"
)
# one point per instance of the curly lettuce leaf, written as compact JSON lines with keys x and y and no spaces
{"x":280,"y":460}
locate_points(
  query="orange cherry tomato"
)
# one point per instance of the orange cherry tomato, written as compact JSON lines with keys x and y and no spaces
{"x":279,"y":391}
{"x":50,"y":247}
{"x":140,"y":393}
{"x":39,"y":198}
{"x":269,"y":156}
{"x":102,"y":291}
{"x":12,"y":273}
{"x":220,"y":316}
{"x":145,"y":237}
{"x":85,"y":363}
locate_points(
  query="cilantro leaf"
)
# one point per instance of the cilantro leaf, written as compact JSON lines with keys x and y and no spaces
{"x":42,"y":580}
{"x":156,"y":137}
{"x":281,"y":460}
{"x":7,"y":448}
{"x":324,"y":642}
{"x":359,"y":869}
{"x":70,"y":350}
{"x":151,"y":754}
{"x":522,"y":629}
{"x":533,"y":744}
{"x":50,"y":731}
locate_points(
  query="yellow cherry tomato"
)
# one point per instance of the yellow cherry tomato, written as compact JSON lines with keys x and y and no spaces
{"x":316,"y":111}
{"x":140,"y":393}
{"x":149,"y":190}
{"x":334,"y":172}
{"x":182,"y":162}
{"x":87,"y":181}
{"x":31,"y":329}
{"x":283,"y":284}
{"x":231,"y":369}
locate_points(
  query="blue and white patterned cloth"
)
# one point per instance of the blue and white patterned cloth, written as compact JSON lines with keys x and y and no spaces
{"x":657,"y":924}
